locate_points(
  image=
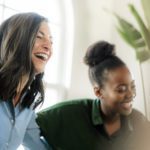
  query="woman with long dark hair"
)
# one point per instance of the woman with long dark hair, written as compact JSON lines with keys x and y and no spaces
{"x":25,"y":48}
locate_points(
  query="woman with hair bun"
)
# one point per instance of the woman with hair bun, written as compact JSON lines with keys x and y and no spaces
{"x":105,"y":123}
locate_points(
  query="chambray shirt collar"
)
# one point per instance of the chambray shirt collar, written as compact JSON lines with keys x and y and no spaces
{"x":97,"y":119}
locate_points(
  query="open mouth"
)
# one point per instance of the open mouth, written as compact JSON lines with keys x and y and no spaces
{"x":127,"y":105}
{"x":42,"y":56}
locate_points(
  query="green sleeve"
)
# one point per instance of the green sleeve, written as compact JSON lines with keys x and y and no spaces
{"x":50,"y":125}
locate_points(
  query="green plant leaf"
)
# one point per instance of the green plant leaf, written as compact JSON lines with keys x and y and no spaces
{"x":144,"y":30}
{"x":130,"y":33}
{"x":134,"y":42}
{"x":146,"y":9}
{"x":134,"y":38}
{"x":142,"y":54}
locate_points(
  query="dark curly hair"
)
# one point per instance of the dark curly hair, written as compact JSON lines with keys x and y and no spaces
{"x":101,"y":57}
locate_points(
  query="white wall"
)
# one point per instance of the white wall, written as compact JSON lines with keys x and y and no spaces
{"x":89,"y":23}
{"x":92,"y":23}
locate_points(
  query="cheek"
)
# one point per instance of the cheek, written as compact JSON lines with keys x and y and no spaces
{"x":35,"y":47}
{"x":118,"y":99}
{"x":34,"y":61}
{"x":113,"y":100}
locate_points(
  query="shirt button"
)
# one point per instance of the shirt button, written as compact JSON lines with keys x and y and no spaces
{"x":12,"y":121}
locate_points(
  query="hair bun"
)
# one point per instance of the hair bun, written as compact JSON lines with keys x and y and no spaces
{"x":98,"y":52}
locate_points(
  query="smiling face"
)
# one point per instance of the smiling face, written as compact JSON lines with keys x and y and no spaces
{"x":117,"y":92}
{"x":42,"y":49}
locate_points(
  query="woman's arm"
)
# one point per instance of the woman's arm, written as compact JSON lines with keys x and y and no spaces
{"x":32,"y":138}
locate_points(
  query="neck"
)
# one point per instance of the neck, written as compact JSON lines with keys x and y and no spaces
{"x":19,"y":90}
{"x":22,"y":83}
{"x":112,"y":121}
{"x":109,"y":115}
{"x":16,"y":99}
{"x":112,"y":127}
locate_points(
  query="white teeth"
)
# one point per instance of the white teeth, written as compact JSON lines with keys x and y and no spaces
{"x":44,"y":56}
{"x":127,"y":105}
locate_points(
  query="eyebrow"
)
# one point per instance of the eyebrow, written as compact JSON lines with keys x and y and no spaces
{"x":132,"y":82}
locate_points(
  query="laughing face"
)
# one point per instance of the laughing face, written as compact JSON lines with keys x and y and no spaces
{"x":118,"y":92}
{"x":42,"y":49}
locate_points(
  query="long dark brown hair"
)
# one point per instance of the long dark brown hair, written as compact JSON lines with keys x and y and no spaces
{"x":17,"y":38}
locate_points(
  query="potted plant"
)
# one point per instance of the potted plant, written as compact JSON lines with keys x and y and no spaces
{"x":138,"y":39}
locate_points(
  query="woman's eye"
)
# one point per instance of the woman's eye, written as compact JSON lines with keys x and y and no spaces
{"x":133,"y":87}
{"x":51,"y":41}
{"x":39,"y":37}
{"x":121,"y":90}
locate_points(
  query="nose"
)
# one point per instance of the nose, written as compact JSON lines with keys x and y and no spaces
{"x":47,"y":44}
{"x":131,"y":93}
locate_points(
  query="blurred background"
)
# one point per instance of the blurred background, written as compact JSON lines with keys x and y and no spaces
{"x":75,"y":24}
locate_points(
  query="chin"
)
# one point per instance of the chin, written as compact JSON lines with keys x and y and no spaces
{"x":39,"y":71}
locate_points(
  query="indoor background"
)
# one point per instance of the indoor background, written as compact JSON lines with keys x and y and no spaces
{"x":75,"y":24}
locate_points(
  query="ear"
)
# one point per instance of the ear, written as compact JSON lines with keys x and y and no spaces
{"x":97,"y":91}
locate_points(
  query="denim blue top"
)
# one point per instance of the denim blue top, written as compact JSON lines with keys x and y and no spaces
{"x":18,"y":126}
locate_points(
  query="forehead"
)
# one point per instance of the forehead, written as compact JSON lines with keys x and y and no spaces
{"x":120,"y":75}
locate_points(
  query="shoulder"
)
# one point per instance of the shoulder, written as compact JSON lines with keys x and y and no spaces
{"x":138,"y":119}
{"x":141,"y":127}
{"x":69,"y":105}
{"x":137,"y":115}
{"x":62,"y":112}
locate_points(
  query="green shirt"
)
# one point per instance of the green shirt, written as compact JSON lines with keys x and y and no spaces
{"x":78,"y":125}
